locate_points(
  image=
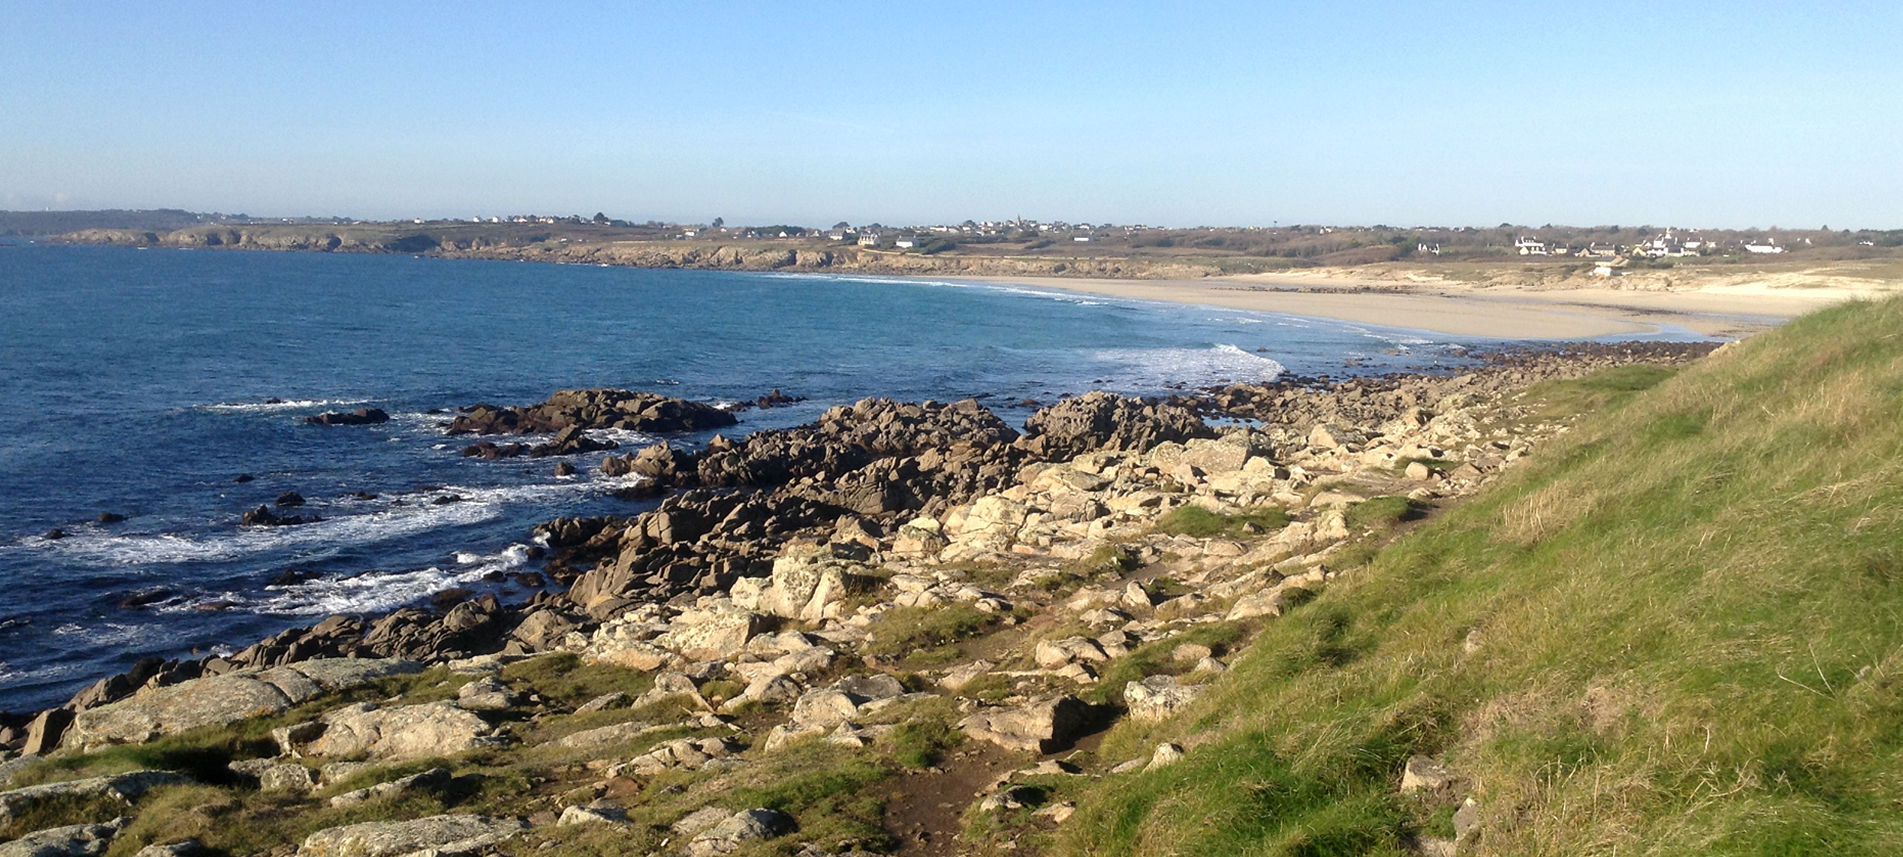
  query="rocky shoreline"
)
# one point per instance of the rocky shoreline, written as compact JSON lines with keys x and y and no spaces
{"x":758,"y":255}
{"x":888,"y":565}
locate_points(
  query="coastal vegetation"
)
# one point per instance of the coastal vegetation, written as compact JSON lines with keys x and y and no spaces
{"x":1624,"y":600}
{"x":1674,"y":632}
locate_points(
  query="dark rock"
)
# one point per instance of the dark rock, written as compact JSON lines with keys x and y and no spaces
{"x":564,"y":468}
{"x":362,"y":495}
{"x":661,"y":462}
{"x":1106,"y":421}
{"x":294,"y":576}
{"x":243,"y":478}
{"x":598,"y":408}
{"x":141,"y":600}
{"x":640,"y":491}
{"x":55,"y":534}
{"x":776,"y":399}
{"x":110,"y":518}
{"x":358,"y":417}
{"x":445,"y":499}
{"x":290,"y":500}
{"x":451,"y":596}
{"x":264,"y":517}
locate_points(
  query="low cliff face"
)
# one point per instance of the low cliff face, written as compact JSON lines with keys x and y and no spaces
{"x":752,"y":256}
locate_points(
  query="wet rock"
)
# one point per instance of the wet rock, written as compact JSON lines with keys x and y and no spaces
{"x":290,"y":500}
{"x":110,"y":518}
{"x":358,"y":417}
{"x":594,"y":409}
{"x":262,"y":516}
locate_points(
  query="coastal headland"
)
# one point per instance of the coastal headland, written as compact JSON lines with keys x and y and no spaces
{"x":1503,"y":296}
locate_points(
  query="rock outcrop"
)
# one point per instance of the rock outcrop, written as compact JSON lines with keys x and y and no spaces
{"x":442,"y":834}
{"x":593,"y":409}
{"x":221,"y":699}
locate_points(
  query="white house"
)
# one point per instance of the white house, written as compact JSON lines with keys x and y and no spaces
{"x":1081,"y":239}
{"x":1768,"y":247}
{"x":907,"y":242}
{"x":1529,"y":246}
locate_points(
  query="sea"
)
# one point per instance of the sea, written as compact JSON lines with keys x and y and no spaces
{"x":171,"y":387}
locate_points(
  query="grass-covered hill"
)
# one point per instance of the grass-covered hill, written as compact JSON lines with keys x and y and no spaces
{"x":1679,"y":630}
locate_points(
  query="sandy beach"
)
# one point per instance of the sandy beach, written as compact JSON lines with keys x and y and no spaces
{"x":1725,"y":310}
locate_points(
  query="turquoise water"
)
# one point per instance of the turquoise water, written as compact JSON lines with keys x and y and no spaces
{"x":138,"y":383}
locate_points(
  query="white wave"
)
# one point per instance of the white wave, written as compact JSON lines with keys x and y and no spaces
{"x":106,"y":634}
{"x":273,"y":407}
{"x":364,"y":593}
{"x":9,"y":676}
{"x":416,"y":515}
{"x":1151,"y":368}
{"x":1058,"y":295}
{"x":624,"y":437}
{"x":377,"y":591}
{"x":513,"y":556}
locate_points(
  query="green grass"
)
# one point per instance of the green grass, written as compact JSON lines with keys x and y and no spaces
{"x":1688,"y":639}
{"x":1376,"y":513}
{"x":1109,"y":558}
{"x":1157,"y":657}
{"x":1201,"y":523}
{"x":563,"y":678}
{"x":922,"y":633}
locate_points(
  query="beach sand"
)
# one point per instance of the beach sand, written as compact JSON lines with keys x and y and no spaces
{"x":1722,"y":311}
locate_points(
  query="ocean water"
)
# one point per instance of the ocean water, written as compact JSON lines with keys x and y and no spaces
{"x":141,"y":383}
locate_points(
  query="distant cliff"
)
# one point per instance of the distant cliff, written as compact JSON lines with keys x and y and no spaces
{"x":545,"y":246}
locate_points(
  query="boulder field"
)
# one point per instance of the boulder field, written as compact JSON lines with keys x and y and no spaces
{"x":915,"y":589}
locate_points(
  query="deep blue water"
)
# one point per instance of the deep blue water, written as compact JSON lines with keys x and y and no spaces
{"x":134,"y":382}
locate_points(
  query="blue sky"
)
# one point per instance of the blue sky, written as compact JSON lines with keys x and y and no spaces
{"x":1713,"y":114}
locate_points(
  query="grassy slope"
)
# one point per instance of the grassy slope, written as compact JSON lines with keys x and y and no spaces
{"x":1688,"y":640}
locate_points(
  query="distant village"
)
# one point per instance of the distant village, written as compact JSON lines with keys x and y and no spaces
{"x":1603,"y":250}
{"x":1670,"y":243}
